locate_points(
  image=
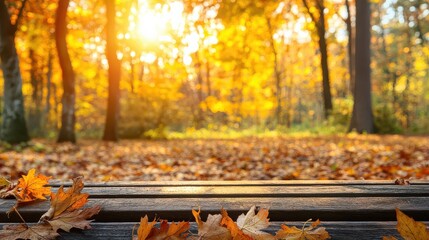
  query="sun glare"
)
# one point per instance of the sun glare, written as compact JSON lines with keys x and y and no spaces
{"x":156,"y":23}
{"x":165,"y":23}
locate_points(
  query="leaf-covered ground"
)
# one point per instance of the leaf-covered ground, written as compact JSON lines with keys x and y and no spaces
{"x":331,"y":157}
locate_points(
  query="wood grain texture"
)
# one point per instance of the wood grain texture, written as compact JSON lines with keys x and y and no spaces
{"x":290,"y":209}
{"x":257,"y":191}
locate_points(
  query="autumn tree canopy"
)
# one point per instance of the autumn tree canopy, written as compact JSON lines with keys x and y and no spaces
{"x":185,"y":65}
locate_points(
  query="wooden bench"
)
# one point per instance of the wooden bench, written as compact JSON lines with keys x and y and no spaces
{"x":347,"y":209}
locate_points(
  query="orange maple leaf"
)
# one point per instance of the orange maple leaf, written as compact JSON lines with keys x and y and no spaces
{"x":170,"y":231}
{"x":31,"y":187}
{"x":410,"y":229}
{"x":145,"y":228}
{"x":236,"y":232}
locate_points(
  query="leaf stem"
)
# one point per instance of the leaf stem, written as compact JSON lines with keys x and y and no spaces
{"x":309,"y":220}
{"x":16,"y":210}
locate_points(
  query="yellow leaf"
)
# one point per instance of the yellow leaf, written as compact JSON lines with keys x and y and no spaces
{"x":410,"y":229}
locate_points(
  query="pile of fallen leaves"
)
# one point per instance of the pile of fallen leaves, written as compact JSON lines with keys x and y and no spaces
{"x":221,"y":226}
{"x":347,"y":157}
{"x":66,"y":212}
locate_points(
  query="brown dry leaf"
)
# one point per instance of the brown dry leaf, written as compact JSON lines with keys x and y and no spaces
{"x":22,"y":231}
{"x":401,"y":181}
{"x":75,"y":219}
{"x":211,"y":229}
{"x":410,"y":229}
{"x":31,"y":187}
{"x":144,"y":229}
{"x":65,"y":212}
{"x":67,"y":201}
{"x":236,"y":232}
{"x":306,"y":233}
{"x":172,"y":231}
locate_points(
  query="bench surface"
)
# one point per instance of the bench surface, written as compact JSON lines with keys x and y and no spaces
{"x":347,"y":209}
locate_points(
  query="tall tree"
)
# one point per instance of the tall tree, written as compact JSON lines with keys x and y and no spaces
{"x":350,"y":46}
{"x":320,"y":23}
{"x":68,"y":119}
{"x":112,"y":116}
{"x":362,"y":118}
{"x":13,"y":128}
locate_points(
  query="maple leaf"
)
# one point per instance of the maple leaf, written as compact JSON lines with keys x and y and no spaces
{"x":173,"y":231}
{"x":22,"y":231}
{"x":65,"y":212}
{"x":252,"y":224}
{"x":31,"y":187}
{"x":306,"y":233}
{"x":211,"y":229}
{"x":410,"y":229}
{"x":145,"y":228}
{"x":75,"y":219}
{"x":67,"y":201}
{"x":236,"y":232}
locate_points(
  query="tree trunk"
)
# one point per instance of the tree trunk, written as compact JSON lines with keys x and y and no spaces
{"x":350,"y":47}
{"x":327,"y":96}
{"x":68,"y":119}
{"x":362,"y":118}
{"x":277,"y":72}
{"x":112,"y":116}
{"x":323,"y":47}
{"x":13,"y":128}
{"x":37,"y":94}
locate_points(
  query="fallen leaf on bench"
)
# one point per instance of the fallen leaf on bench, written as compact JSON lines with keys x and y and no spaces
{"x":172,"y":231}
{"x":410,"y":229}
{"x":248,"y":226}
{"x":306,"y":233}
{"x":236,"y":232}
{"x":22,"y":231}
{"x":75,"y":219}
{"x":31,"y":187}
{"x":65,"y":212}
{"x":144,"y":229}
{"x":211,"y":229}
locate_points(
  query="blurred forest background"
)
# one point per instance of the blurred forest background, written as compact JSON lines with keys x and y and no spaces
{"x":196,"y":68}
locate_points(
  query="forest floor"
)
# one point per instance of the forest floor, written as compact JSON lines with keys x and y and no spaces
{"x":326,"y":157}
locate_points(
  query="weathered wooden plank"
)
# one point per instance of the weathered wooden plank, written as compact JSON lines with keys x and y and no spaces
{"x":242,"y":183}
{"x":258,"y":191}
{"x":337,"y":230}
{"x":281,"y":209}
